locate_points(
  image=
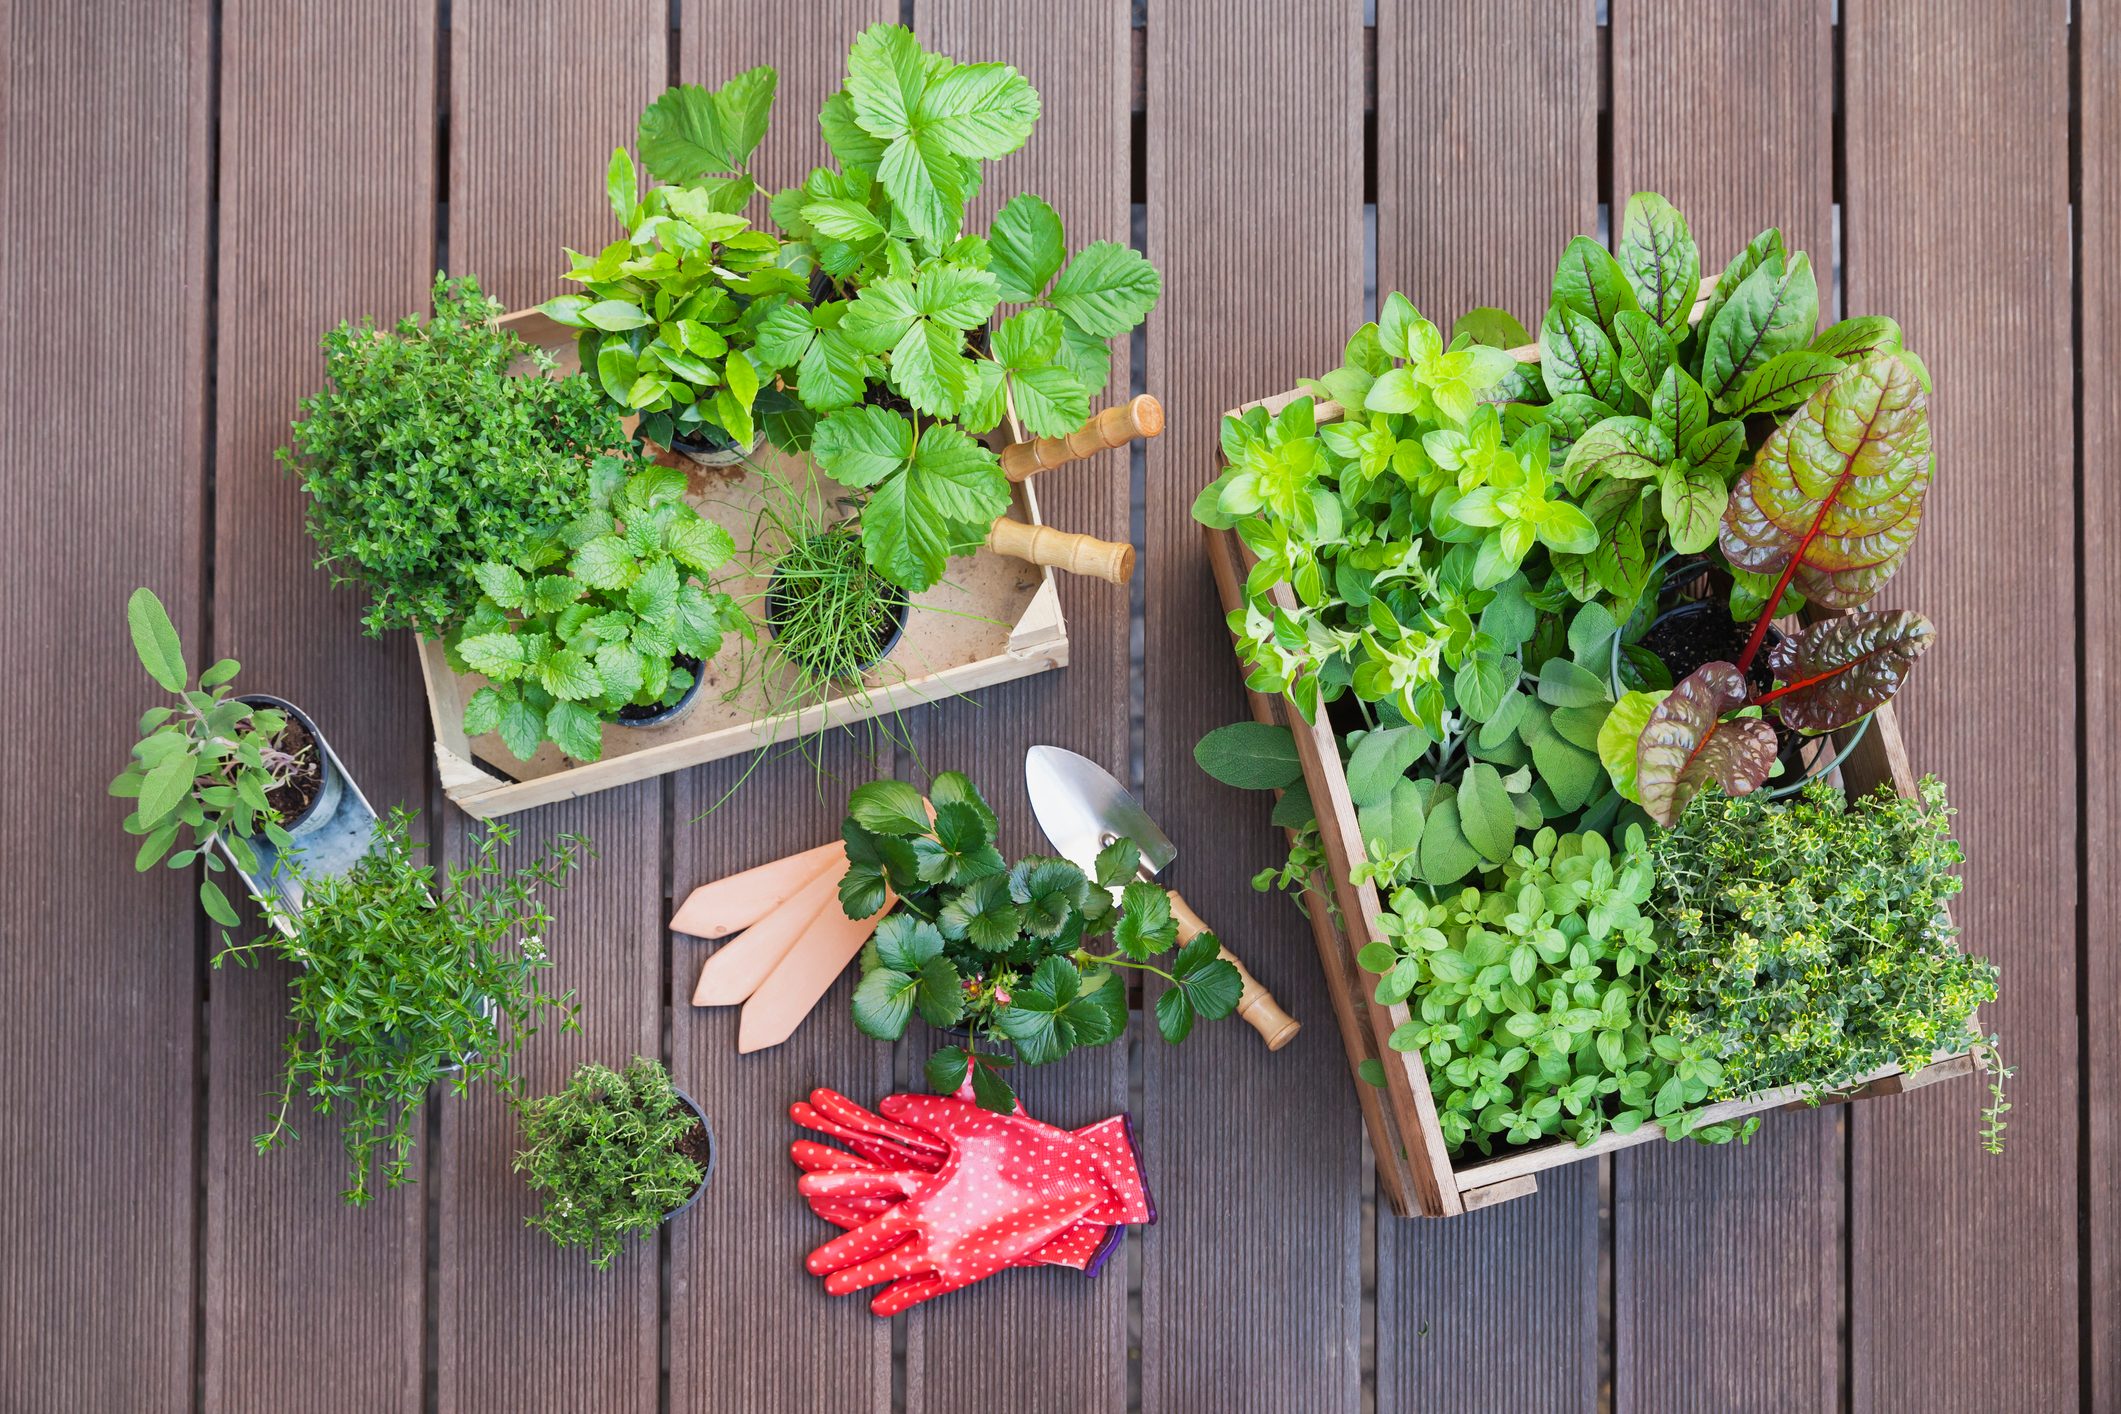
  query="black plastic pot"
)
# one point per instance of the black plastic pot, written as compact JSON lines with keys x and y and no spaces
{"x":714,"y":1152}
{"x":714,"y":448}
{"x":664,"y":716}
{"x":901,"y":606}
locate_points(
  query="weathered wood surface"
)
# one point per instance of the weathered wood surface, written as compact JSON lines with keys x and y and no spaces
{"x":195,"y":192}
{"x":519,"y":1323}
{"x":327,"y":192}
{"x":1251,"y":1280}
{"x":1957,"y":164}
{"x":1498,"y":1309}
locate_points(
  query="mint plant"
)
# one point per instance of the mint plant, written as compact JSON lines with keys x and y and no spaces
{"x":1004,"y":950}
{"x":426,"y":457}
{"x":610,"y":1156}
{"x":403,"y":978}
{"x":598,"y":617}
{"x":207,"y":767}
{"x":669,"y":313}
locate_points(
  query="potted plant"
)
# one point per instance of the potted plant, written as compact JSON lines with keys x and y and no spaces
{"x":240,"y":780}
{"x":403,"y":978}
{"x":604,"y":620}
{"x":426,"y":456}
{"x":669,"y":313}
{"x":1462,"y":573}
{"x":890,"y":369}
{"x":613,"y":1155}
{"x":1005,"y":953}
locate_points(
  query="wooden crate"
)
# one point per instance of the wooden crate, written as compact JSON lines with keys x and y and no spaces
{"x":1416,"y":1174}
{"x":992,"y":619}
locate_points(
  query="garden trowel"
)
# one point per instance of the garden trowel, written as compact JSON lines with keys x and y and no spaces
{"x":1082,"y":808}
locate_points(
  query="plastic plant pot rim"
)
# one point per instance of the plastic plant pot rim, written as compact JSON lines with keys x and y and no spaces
{"x":675,"y":710}
{"x":903,"y":613}
{"x":331,"y":781}
{"x":714,"y":1153}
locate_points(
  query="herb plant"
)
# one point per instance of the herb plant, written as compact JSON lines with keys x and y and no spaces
{"x":1810,"y":942}
{"x":1006,"y":950}
{"x":426,"y":457}
{"x":400,"y":982}
{"x":207,"y":765}
{"x":597,"y":617}
{"x":893,"y":370}
{"x":611,"y":1154}
{"x":1528,"y":1000}
{"x":669,"y":313}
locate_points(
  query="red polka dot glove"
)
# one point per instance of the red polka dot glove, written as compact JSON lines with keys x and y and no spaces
{"x":1007,"y":1186}
{"x":894,"y":1161}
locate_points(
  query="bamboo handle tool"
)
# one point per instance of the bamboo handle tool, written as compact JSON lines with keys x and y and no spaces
{"x":1114,"y":427}
{"x":1062,"y":549}
{"x":1255,"y":1004}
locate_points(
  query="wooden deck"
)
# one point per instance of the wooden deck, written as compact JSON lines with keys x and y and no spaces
{"x":195,"y":189}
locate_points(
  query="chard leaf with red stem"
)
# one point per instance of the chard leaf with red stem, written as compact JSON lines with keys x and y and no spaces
{"x":1837,"y":670}
{"x":1686,"y":745}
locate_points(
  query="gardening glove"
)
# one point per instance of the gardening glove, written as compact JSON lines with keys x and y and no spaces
{"x":1009,"y":1186}
{"x":899,"y":1161}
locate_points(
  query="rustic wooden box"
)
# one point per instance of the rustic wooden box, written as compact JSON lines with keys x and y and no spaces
{"x":994,"y":618}
{"x":1415,"y":1172}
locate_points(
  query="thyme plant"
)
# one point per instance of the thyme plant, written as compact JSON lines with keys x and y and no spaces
{"x":608,"y":1154}
{"x":403,"y":979}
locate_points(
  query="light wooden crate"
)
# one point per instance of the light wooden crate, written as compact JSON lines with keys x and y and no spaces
{"x":1416,"y":1174}
{"x":992,"y":619}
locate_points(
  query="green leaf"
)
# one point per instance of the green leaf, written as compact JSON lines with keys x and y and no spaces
{"x":1618,"y":449}
{"x":1577,"y":357}
{"x":982,"y":914}
{"x":883,"y":1003}
{"x":1565,"y":683}
{"x":1496,"y":328}
{"x":612,"y":315}
{"x":1485,"y":813}
{"x":843,"y":220}
{"x":979,"y":110}
{"x":1483,"y":682}
{"x":575,"y":730}
{"x":1579,"y":726}
{"x":1662,"y":264}
{"x":700,"y":544}
{"x":941,"y":506}
{"x":217,"y":905}
{"x":1174,"y":1014}
{"x":1692,"y":499}
{"x":166,"y":787}
{"x":1146,"y":926}
{"x":861,"y":446}
{"x":1446,"y":855}
{"x":1050,"y":401}
{"x":1380,"y":760}
{"x":888,"y":808}
{"x":926,"y":182}
{"x":947,"y":1069}
{"x":1774,"y":310}
{"x":885,"y":78}
{"x":1210,"y":984}
{"x":907,"y":943}
{"x":1590,"y":282}
{"x":522,"y":728}
{"x":622,"y":186}
{"x":989,"y":1089}
{"x":482,"y":713}
{"x":604,"y":563}
{"x":1026,"y":247}
{"x":1107,"y":289}
{"x":567,"y":675}
{"x":155,"y":846}
{"x":504,"y":584}
{"x":1784,"y":381}
{"x":155,"y":640}
{"x":498,"y":655}
{"x":1250,"y":756}
{"x":1857,"y":338}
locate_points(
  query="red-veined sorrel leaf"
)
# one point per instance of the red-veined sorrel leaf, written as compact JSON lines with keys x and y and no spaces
{"x":1685,"y":744}
{"x":1835,"y":495}
{"x":1838,"y":669}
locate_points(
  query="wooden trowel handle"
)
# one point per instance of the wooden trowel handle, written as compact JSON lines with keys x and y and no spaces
{"x":1255,"y":1004}
{"x":1114,"y":427}
{"x":1062,"y":549}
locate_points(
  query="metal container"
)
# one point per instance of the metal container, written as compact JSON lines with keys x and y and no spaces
{"x":331,"y":836}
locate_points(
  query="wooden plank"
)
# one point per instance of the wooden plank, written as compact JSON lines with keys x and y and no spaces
{"x":1073,"y":1331}
{"x":327,"y":213}
{"x":1497,"y":1309}
{"x":1729,"y":113}
{"x":520,"y":1323}
{"x":1257,"y":1156}
{"x":1487,"y":166}
{"x":2098,"y":201}
{"x":1956,"y":118}
{"x":1508,"y":1294}
{"x":98,"y":1280}
{"x":744,"y":1317}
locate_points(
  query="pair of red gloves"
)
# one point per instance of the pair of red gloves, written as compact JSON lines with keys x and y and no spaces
{"x":937,"y":1193}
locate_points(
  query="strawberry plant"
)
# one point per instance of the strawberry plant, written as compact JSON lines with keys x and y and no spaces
{"x":1007,"y":951}
{"x":603,"y":616}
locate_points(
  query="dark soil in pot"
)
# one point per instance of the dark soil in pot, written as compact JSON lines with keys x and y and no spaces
{"x":302,"y":784}
{"x":1685,"y":637}
{"x":697,"y":1144}
{"x":656,"y":716}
